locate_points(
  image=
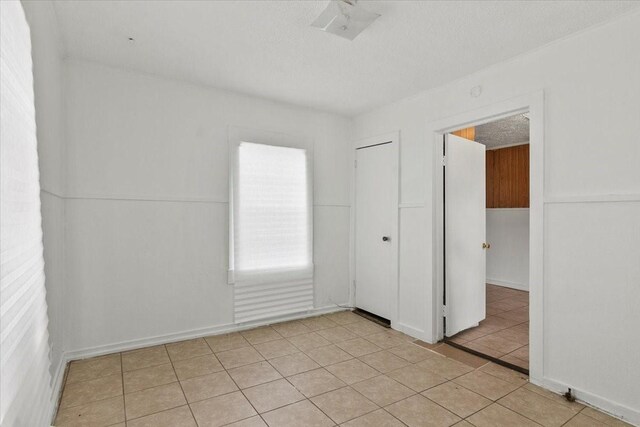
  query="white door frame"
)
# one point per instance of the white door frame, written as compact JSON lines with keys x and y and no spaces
{"x":534,"y":104}
{"x":394,"y":138}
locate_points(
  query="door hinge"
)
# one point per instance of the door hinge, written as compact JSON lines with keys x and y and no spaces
{"x":444,"y":160}
{"x":444,"y":311}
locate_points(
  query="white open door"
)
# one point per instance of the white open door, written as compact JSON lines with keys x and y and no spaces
{"x":376,"y":207}
{"x":465,"y":232}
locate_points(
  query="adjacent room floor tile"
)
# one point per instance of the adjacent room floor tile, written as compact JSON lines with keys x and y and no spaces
{"x":201,"y":365}
{"x":313,"y":383}
{"x":499,"y":416}
{"x":148,"y":377}
{"x":293,"y":364}
{"x":226,"y":342}
{"x":238,"y":357}
{"x":299,"y":414}
{"x":328,"y":355}
{"x":176,"y":417}
{"x":383,"y":390}
{"x":188,"y":349}
{"x":222,"y":410}
{"x":92,"y":390}
{"x":420,"y":411}
{"x":352,"y":371}
{"x":487,"y":385}
{"x":96,"y":367}
{"x":275,"y":348}
{"x":144,"y":358}
{"x":204,"y":387}
{"x":101,"y":413}
{"x":153,"y":400}
{"x":344,"y":404}
{"x":254,"y":374}
{"x":457,"y":399}
{"x":461,"y":356}
{"x":269,"y":396}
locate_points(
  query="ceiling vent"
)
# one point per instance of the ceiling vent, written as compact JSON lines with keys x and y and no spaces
{"x":344,"y":18}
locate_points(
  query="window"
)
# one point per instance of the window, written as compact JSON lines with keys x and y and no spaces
{"x":271,"y":233}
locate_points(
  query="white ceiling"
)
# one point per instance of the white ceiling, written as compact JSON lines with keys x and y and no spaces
{"x":268,"y":49}
{"x":508,"y":131}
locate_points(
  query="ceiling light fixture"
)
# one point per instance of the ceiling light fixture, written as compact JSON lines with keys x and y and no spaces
{"x":344,"y":18}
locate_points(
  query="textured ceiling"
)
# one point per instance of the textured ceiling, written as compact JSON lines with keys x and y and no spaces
{"x":268,"y":49}
{"x":507,"y":131}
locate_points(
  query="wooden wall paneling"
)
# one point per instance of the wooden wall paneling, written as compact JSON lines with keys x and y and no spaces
{"x":508,"y":177}
{"x":468,"y":133}
{"x":490,"y":164}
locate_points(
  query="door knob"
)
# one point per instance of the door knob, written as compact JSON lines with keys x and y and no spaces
{"x":386,"y":238}
{"x":486,"y":246}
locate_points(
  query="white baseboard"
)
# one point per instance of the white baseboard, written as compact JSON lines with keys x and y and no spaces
{"x":600,"y":403}
{"x":56,"y":389}
{"x":411,"y":331}
{"x":185,"y":335}
{"x":506,"y":284}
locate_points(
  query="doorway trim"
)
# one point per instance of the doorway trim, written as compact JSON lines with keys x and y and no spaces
{"x":394,"y":139}
{"x":534,"y":104}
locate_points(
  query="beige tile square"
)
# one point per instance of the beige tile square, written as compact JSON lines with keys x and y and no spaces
{"x":337,"y":334}
{"x":457,"y":399}
{"x":509,"y":375}
{"x":358,"y":347}
{"x":315,"y":382}
{"x":521,"y":353}
{"x":352,"y":371}
{"x":101,"y":413}
{"x":148,"y":377}
{"x":212,"y":385}
{"x":515,"y":361}
{"x":420,"y":411}
{"x":461,"y":356}
{"x":583,"y":421}
{"x":153,"y":400}
{"x":269,"y":396}
{"x":515,"y":335}
{"x":416,"y":377}
{"x":343,"y":404}
{"x":144,"y":358}
{"x":260,"y":335}
{"x":90,"y":391}
{"x":238,"y":357}
{"x":498,"y":344}
{"x":603,"y":418}
{"x":412,"y":352}
{"x":384,"y":361}
{"x":445,"y":367}
{"x":364,"y":327}
{"x":290,"y":329}
{"x":226,"y":342}
{"x":386,"y":339}
{"x":557,"y":398}
{"x":382,"y":390}
{"x":328,"y":355}
{"x":249,"y":422}
{"x":537,"y":408}
{"x":293,"y":364}
{"x":275,"y":348}
{"x":306,"y":342}
{"x":188,"y":349}
{"x":222,"y":410}
{"x":343,"y":317}
{"x":197,"y":366}
{"x":379,"y":418}
{"x":499,"y":416}
{"x":176,"y":417}
{"x":487,"y":385}
{"x":518,"y":315}
{"x":299,"y":414}
{"x":254,"y":374}
{"x":318,"y":322}
{"x":96,"y":367}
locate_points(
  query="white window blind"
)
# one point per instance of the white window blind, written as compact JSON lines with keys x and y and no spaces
{"x":271,"y":233}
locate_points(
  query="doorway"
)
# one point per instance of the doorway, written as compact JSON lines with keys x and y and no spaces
{"x":486,"y":225}
{"x":375,"y":224}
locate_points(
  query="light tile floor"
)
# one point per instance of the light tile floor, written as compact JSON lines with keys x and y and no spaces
{"x":322,"y":371}
{"x":504,"y":334}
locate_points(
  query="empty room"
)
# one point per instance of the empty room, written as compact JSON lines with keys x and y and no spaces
{"x":319,"y":213}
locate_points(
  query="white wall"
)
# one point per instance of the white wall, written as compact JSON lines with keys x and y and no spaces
{"x":147,"y":191}
{"x":508,"y":257}
{"x":592,"y":199}
{"x":47,"y":78}
{"x":25,"y":382}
